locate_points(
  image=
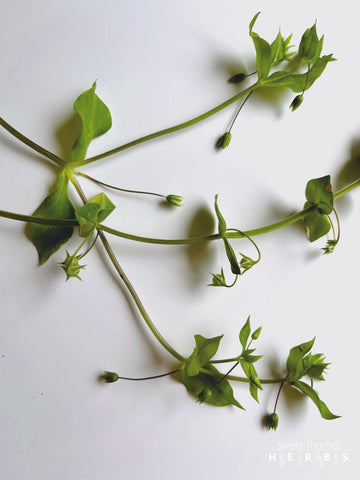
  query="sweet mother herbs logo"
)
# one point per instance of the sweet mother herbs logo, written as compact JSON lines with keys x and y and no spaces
{"x":321,"y":455}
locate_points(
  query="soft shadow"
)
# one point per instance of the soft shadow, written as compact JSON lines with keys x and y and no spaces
{"x":199,"y":255}
{"x":349,"y":172}
{"x":274,"y":97}
{"x":351,"y":169}
{"x":67,"y":134}
{"x":277,"y":211}
{"x":231,"y":65}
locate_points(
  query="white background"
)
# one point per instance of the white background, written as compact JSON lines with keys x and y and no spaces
{"x":158,"y":63}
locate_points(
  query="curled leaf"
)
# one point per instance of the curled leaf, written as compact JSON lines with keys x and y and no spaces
{"x":311,"y":393}
{"x":96,"y":120}
{"x":95,"y":211}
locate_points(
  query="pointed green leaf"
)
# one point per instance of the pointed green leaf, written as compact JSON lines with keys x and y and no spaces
{"x":244,"y":333}
{"x":253,"y":20}
{"x":278,"y":49}
{"x":263,"y":57}
{"x":311,"y":393}
{"x":309,"y":44}
{"x":298,"y":82}
{"x":314,"y":366}
{"x":95,"y":211}
{"x":218,"y":394}
{"x":221,"y":220}
{"x":254,"y":382}
{"x":95,"y":118}
{"x":47,"y":238}
{"x":205,"y":349}
{"x":263,"y":52}
{"x":294,"y":362}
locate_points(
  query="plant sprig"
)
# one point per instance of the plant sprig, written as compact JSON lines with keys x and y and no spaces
{"x":54,"y":221}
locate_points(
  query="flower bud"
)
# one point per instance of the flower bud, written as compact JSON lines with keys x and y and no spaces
{"x":224,"y":140}
{"x":204,"y":395}
{"x":71,"y":266}
{"x":218,"y":280}
{"x":110,"y":377}
{"x":272,"y":421}
{"x":238,"y":78}
{"x":296,"y":102}
{"x":175,"y":200}
{"x":256,"y":334}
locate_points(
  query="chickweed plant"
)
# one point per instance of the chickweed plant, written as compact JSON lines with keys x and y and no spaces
{"x":55,"y":220}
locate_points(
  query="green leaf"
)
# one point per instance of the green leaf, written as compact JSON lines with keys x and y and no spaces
{"x":254,"y":382}
{"x":244,"y":333}
{"x":253,"y":20}
{"x":263,"y":52}
{"x":96,"y":120}
{"x":317,"y":224}
{"x":95,"y":211}
{"x":221,"y":220}
{"x":251,"y":358}
{"x":314,"y":366}
{"x":309,"y":44}
{"x":311,"y":393}
{"x":218,"y":394}
{"x":319,"y":192}
{"x":299,"y":82}
{"x":47,"y":238}
{"x":205,"y":349}
{"x":280,"y":49}
{"x":294,"y":362}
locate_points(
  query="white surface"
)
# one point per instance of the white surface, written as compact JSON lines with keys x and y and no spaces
{"x":158,"y":63}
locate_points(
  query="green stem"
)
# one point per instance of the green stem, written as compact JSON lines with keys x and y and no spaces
{"x":226,"y":360}
{"x":173,"y":129}
{"x":216,"y":236}
{"x":150,"y":378}
{"x":278,"y":394}
{"x":240,"y":379}
{"x":183,"y":241}
{"x":51,"y":156}
{"x":343,"y":191}
{"x":128,"y":284}
{"x":41,"y":220}
{"x":126,"y":190}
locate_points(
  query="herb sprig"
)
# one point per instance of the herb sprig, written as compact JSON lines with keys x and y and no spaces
{"x":54,"y":221}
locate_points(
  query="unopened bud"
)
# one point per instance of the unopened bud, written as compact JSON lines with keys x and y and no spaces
{"x":272,"y":421}
{"x":175,"y":200}
{"x":204,"y":395}
{"x":238,"y":78}
{"x":256,"y":334}
{"x":224,"y":140}
{"x":296,"y":102}
{"x":110,"y":377}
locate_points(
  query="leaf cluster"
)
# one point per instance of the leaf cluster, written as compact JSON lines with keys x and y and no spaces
{"x":301,"y":363}
{"x":202,"y":379}
{"x":319,"y":198}
{"x":278,"y":52}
